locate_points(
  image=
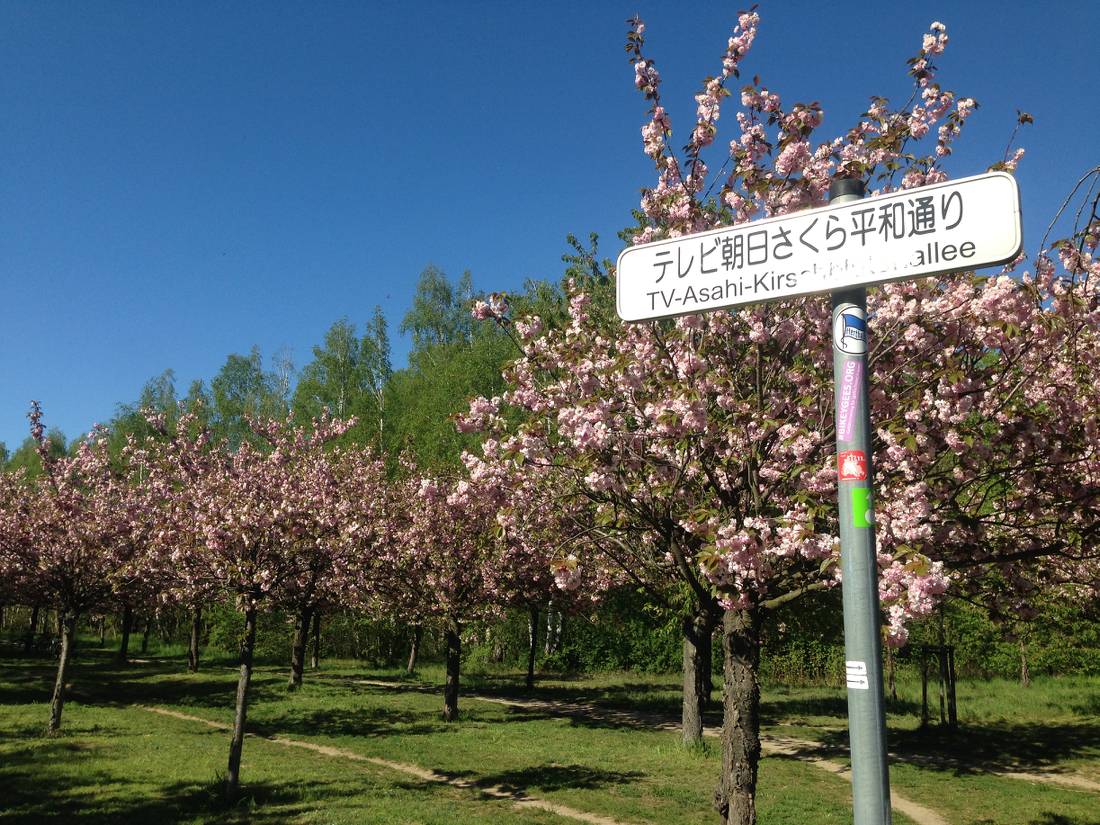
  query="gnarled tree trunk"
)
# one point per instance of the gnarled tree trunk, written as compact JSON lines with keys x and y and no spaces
{"x":414,"y":647}
{"x":532,"y":645}
{"x":735,"y":797}
{"x":454,"y":658}
{"x":193,"y":646}
{"x":698,"y":631}
{"x":57,"y":701}
{"x":233,"y":775}
{"x":298,"y":648}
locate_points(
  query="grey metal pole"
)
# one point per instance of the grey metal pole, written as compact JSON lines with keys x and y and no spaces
{"x":862,"y":645}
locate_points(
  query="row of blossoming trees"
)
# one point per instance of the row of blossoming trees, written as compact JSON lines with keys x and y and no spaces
{"x":286,"y":521}
{"x":691,"y":459}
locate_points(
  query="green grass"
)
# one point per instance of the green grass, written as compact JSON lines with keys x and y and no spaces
{"x":115,"y":762}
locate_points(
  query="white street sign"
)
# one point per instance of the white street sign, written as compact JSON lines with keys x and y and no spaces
{"x":946,"y":227}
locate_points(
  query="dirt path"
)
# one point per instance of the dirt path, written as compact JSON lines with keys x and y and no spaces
{"x":801,"y":748}
{"x":804,"y":750}
{"x":519,"y":799}
{"x":794,"y":748}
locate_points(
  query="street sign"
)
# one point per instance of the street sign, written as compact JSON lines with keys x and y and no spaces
{"x":946,"y":227}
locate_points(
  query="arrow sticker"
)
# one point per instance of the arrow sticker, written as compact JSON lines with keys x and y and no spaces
{"x":856,"y":673}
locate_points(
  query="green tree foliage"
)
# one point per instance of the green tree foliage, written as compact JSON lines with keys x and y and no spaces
{"x":26,"y":457}
{"x":242,"y":389}
{"x":348,"y":376}
{"x":1054,"y":636}
{"x":159,"y":396}
{"x":440,"y":311}
{"x":453,"y":359}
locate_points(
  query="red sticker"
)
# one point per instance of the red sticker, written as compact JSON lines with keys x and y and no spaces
{"x":851,"y":465}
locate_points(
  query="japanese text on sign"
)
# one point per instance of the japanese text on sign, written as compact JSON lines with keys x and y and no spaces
{"x":934,"y":229}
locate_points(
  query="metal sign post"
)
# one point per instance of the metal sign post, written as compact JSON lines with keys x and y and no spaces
{"x":841,"y":249}
{"x":858,"y":563}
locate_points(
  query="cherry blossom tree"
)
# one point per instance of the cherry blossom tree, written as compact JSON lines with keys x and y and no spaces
{"x":247,"y":522}
{"x":344,"y":488}
{"x":65,"y":535}
{"x":531,"y":564}
{"x":434,"y":565}
{"x":562,"y":490}
{"x":711,"y":437}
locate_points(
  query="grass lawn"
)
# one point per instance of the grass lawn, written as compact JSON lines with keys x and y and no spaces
{"x":116,"y":762}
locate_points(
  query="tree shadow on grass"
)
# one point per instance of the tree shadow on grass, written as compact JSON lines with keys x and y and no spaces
{"x":536,"y":779}
{"x":1051,"y":818}
{"x":998,"y":747}
{"x":512,"y":686}
{"x":45,"y":784}
{"x":626,"y":695}
{"x":101,"y":681}
{"x":555,"y":777}
{"x":775,"y":711}
{"x":361,"y":722}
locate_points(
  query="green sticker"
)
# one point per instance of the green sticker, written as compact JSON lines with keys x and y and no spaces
{"x":861,"y":507}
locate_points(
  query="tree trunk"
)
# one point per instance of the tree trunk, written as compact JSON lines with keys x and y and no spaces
{"x":952,"y":705}
{"x":698,"y":630}
{"x":532,"y":645}
{"x":706,"y":668}
{"x":127,"y":622}
{"x":233,"y":775}
{"x":1,"y":617}
{"x":735,"y":797}
{"x":57,"y":702}
{"x":145,"y":635}
{"x":1025,"y":673}
{"x":315,"y":656}
{"x":552,"y":615}
{"x":32,"y":631}
{"x":102,"y":631}
{"x":298,"y":649}
{"x":454,"y":658}
{"x":414,"y":647}
{"x":193,"y":647}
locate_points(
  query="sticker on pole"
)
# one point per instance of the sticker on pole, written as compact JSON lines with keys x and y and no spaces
{"x":851,"y":465}
{"x":848,"y":403}
{"x":850,"y":329}
{"x":929,"y":230}
{"x":856,"y":673}
{"x":862,"y":514}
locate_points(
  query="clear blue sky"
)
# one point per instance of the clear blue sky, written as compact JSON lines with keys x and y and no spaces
{"x":181,"y":181}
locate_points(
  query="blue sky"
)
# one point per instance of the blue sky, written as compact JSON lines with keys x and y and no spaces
{"x":185,"y":180}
